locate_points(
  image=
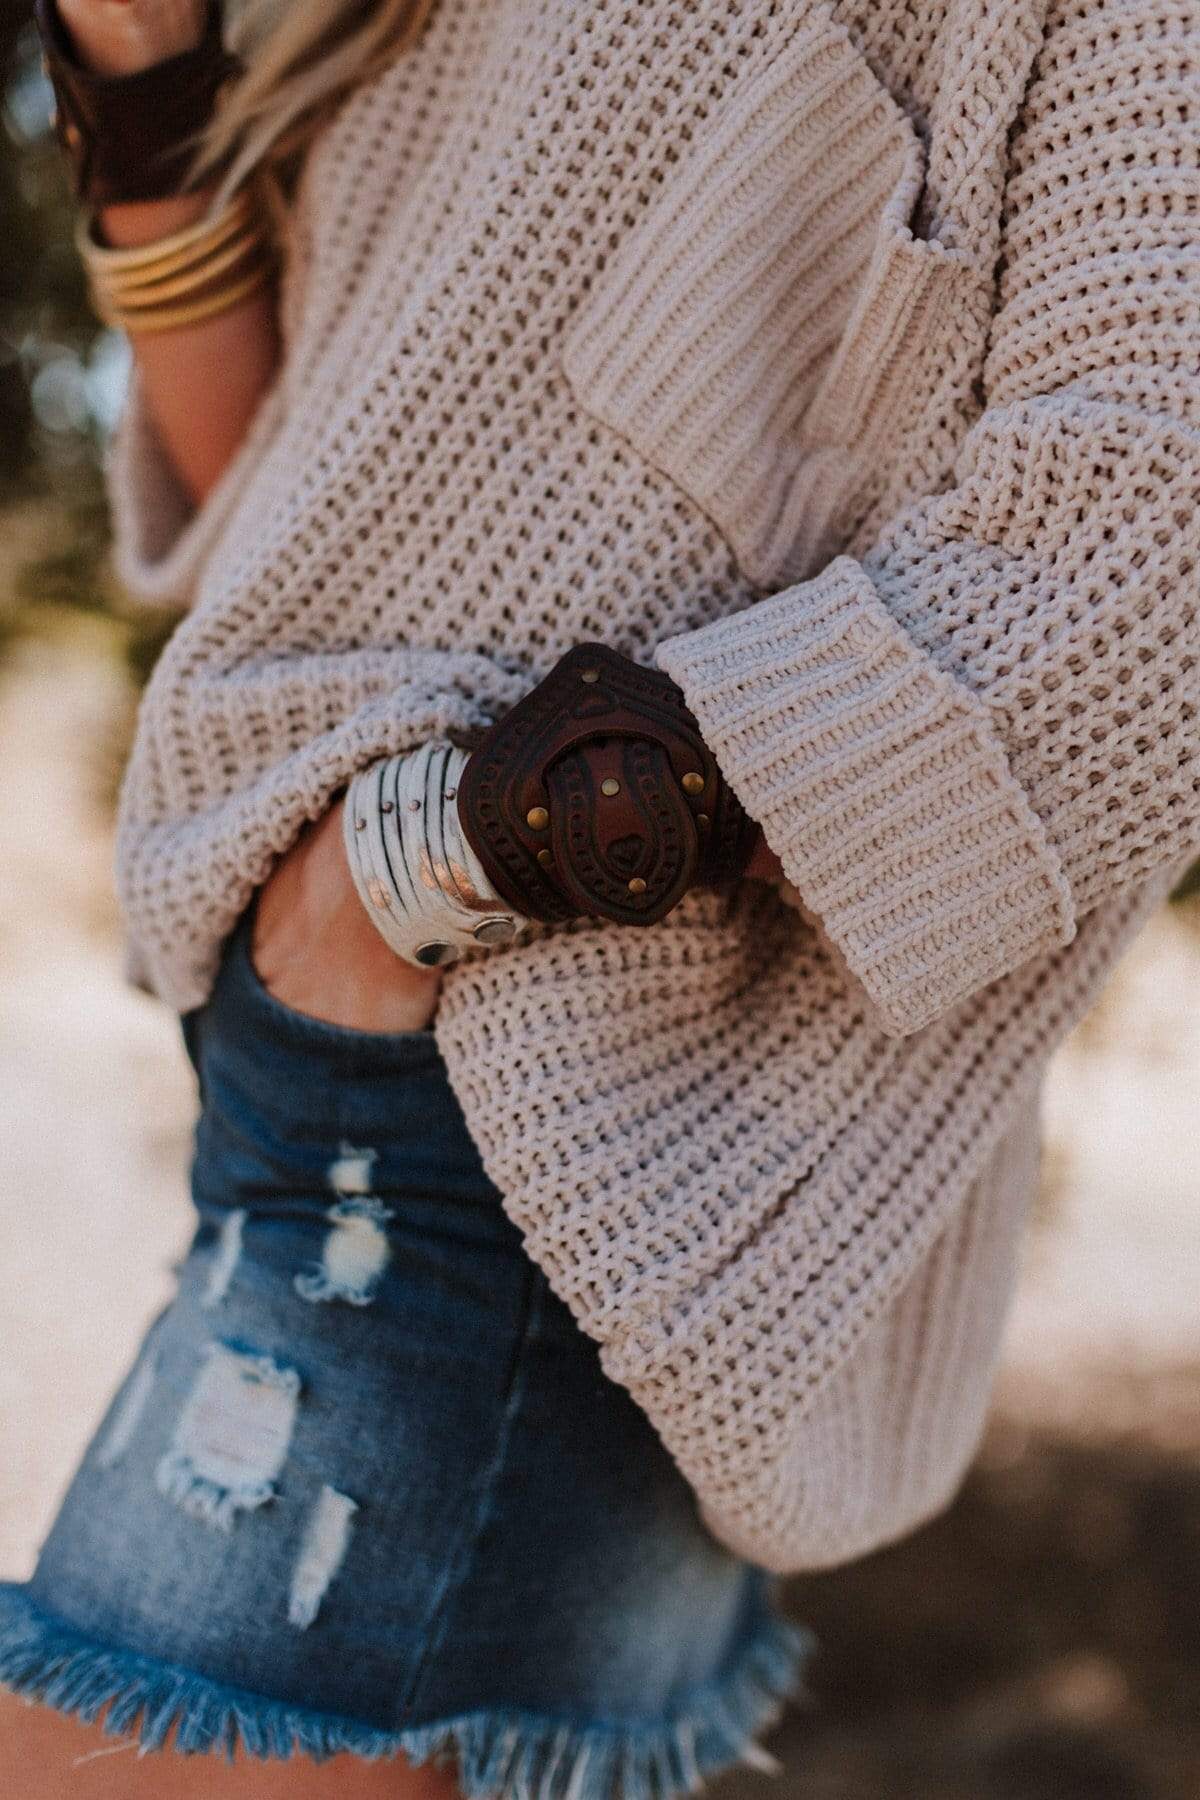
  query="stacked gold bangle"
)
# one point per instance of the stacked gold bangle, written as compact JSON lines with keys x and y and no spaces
{"x":194,"y":274}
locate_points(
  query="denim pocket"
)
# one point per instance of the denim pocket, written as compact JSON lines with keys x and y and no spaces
{"x":298,"y":1113}
{"x":291,"y":1022}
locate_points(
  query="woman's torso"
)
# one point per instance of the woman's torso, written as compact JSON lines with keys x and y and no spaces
{"x":589,"y":335}
{"x":601,"y":323}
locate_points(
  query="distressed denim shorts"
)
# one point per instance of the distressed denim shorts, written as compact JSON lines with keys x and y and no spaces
{"x":366,"y":1487}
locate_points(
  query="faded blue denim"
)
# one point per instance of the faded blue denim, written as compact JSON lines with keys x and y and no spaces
{"x":366,"y":1486}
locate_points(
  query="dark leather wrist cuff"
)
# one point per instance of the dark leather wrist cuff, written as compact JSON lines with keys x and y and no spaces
{"x":133,"y":137}
{"x":597,"y":796}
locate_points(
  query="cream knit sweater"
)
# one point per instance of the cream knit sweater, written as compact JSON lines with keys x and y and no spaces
{"x":844,"y":359}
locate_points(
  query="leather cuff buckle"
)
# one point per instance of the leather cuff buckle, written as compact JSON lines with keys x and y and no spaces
{"x":133,"y":137}
{"x":597,"y":796}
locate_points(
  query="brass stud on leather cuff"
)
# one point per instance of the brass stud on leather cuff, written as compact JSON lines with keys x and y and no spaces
{"x":693,"y":782}
{"x":537,"y":818}
{"x":610,"y":786}
{"x":637,"y":885}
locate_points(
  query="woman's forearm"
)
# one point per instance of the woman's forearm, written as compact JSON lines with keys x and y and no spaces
{"x":201,"y":383}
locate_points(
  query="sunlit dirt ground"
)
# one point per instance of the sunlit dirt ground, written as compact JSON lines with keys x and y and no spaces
{"x":1040,"y":1643}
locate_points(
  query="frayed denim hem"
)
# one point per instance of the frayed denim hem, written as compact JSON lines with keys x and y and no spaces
{"x":500,"y":1754}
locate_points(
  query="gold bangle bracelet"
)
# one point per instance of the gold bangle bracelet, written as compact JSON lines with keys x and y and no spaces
{"x":117,"y":258}
{"x":195,"y":274}
{"x":116,"y":275}
{"x":149,"y":294}
{"x":176,"y":318}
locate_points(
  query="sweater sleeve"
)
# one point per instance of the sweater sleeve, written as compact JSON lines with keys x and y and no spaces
{"x":988,"y":724}
{"x":161,"y":539}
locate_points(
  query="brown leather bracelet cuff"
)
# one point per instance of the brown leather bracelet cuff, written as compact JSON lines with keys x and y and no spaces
{"x":597,"y":796}
{"x":133,"y":137}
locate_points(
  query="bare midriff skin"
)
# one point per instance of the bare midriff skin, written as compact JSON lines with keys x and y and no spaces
{"x":314,"y":946}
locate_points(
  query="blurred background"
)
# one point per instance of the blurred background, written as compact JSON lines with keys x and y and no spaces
{"x":1041,"y":1642}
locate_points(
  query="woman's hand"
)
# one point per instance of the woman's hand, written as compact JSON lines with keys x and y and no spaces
{"x":122,"y":37}
{"x":316,"y":950}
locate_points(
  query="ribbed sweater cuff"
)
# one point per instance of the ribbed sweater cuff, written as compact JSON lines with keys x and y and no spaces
{"x":882,"y":786}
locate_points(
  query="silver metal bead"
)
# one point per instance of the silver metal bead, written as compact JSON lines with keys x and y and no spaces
{"x":432,"y":956}
{"x":495,"y":931}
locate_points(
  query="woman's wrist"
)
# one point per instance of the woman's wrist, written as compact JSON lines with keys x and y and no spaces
{"x":135,"y":222}
{"x":417,"y":877}
{"x":114,"y":38}
{"x":137,"y":84}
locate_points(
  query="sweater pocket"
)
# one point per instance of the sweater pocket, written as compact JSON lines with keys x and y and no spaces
{"x":773,"y":335}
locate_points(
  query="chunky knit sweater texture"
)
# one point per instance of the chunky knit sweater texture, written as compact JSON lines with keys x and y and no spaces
{"x":843,"y":359}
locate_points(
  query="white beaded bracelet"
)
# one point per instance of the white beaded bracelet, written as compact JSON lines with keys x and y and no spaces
{"x":415,"y":872}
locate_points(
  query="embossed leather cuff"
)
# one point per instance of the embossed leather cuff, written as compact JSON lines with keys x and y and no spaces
{"x":133,"y":137}
{"x":596,"y":796}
